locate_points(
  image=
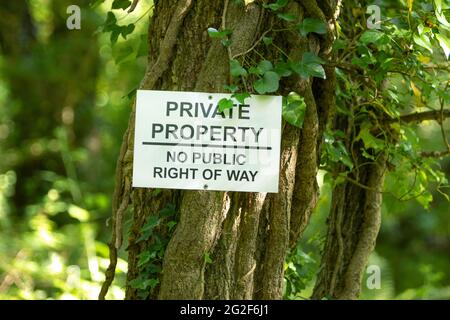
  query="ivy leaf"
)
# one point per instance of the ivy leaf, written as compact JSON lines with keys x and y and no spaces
{"x":225,"y":42}
{"x":214,"y":33}
{"x":283,"y":69}
{"x":207,"y":258}
{"x":286,"y":16}
{"x":267,"y":40}
{"x":312,"y":25}
{"x":144,"y":284}
{"x":370,"y":36}
{"x":264,"y":66}
{"x":294,"y":110}
{"x":277,"y":5}
{"x":310,"y":57}
{"x":121,"y":4}
{"x":110,"y":23}
{"x":171,"y":225}
{"x":240,"y":97}
{"x":236,"y":69}
{"x":114,"y":36}
{"x":268,"y":83}
{"x":232,"y":88}
{"x":336,"y":151}
{"x":310,"y":66}
{"x":126,"y":30}
{"x":370,"y":142}
{"x":225,"y":104}
{"x":168,"y":211}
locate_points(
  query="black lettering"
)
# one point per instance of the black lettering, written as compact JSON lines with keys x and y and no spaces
{"x":171,"y":106}
{"x":201,"y":130}
{"x":214,"y":130}
{"x":171,"y":156}
{"x":156,"y":128}
{"x":257,"y":133}
{"x":190,"y":130}
{"x":186,"y":107}
{"x":171,"y":129}
{"x":206,"y":112}
{"x":229,"y":132}
{"x":243,"y":109}
{"x":157,"y":171}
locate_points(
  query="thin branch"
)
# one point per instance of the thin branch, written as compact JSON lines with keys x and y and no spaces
{"x":441,"y":119}
{"x":253,"y":46}
{"x":422,"y":116}
{"x":435,"y":154}
{"x":133,"y":6}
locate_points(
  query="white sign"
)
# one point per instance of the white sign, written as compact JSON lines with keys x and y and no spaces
{"x":182,"y":141}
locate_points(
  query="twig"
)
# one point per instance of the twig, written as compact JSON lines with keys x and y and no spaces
{"x":422,"y":116}
{"x":254,"y":45}
{"x":133,"y":6}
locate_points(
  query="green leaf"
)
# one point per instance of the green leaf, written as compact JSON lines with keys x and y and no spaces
{"x":225,"y":104}
{"x":225,"y":42}
{"x":236,"y":69}
{"x":264,"y":66}
{"x":240,"y":97}
{"x":286,"y":16}
{"x":114,"y":35}
{"x":168,"y":211}
{"x":267,"y":40}
{"x":232,"y":88}
{"x":440,"y":16}
{"x":268,"y":83}
{"x":310,"y":66}
{"x":207,"y":258}
{"x":126,"y":30}
{"x":335,"y":149}
{"x":312,"y":25}
{"x":110,"y":23}
{"x":214,"y":33}
{"x":277,"y":5}
{"x":370,"y":36}
{"x":294,"y":110}
{"x":120,"y":4}
{"x":444,"y":43}
{"x":144,"y":284}
{"x":370,"y":142}
{"x":171,"y":225}
{"x":423,"y":41}
{"x":283,"y":69}
{"x":310,"y":57}
{"x":261,"y":68}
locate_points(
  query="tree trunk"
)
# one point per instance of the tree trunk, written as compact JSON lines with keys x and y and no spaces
{"x":226,"y":245}
{"x":353,"y":223}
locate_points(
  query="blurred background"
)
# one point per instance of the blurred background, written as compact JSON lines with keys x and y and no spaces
{"x":65,"y":98}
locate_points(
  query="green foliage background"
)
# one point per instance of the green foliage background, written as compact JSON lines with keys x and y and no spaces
{"x":61,"y":127}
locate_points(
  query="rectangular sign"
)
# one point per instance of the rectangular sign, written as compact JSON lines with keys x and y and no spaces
{"x":182,"y":141}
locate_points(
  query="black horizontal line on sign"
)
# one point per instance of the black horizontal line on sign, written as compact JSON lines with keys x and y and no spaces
{"x":204,"y":145}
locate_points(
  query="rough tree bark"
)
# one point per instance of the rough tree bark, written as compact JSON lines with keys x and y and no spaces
{"x":353,"y":222}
